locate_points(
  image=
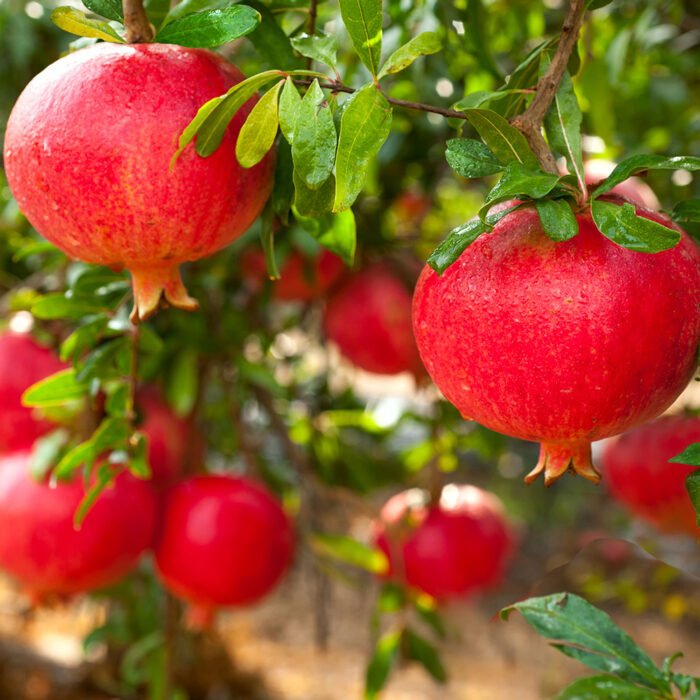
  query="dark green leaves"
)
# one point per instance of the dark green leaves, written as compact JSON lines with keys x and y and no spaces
{"x":687,"y":212}
{"x":318,"y":48}
{"x":692,"y":485}
{"x":605,"y":687}
{"x":557,"y":218}
{"x":76,"y":22}
{"x":690,"y":456}
{"x":383,"y":659}
{"x":111,"y":9}
{"x":260,"y":129}
{"x":364,"y":127}
{"x":622,"y":226}
{"x":420,"y":650}
{"x":422,"y":45}
{"x":519,"y":180}
{"x":363,"y":21}
{"x":471,"y":158}
{"x":210,"y":28}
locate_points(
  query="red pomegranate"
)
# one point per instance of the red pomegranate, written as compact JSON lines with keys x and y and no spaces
{"x":369,"y":320}
{"x":39,"y":545}
{"x":551,"y":341}
{"x":23,"y":362}
{"x":301,"y":278}
{"x":458,"y":547}
{"x":223,"y":541}
{"x":639,"y":475}
{"x":633,"y":189}
{"x":88,"y":154}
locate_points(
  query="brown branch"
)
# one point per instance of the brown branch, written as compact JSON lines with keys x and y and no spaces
{"x":138,"y":29}
{"x":530,"y":121}
{"x":313,"y":11}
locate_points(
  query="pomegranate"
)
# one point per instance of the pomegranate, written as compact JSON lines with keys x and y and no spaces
{"x":457,"y":547}
{"x":23,"y":362}
{"x":39,"y":545}
{"x":369,"y":319}
{"x":639,"y":475}
{"x":301,"y":279}
{"x":550,"y":341}
{"x":223,"y":541}
{"x":633,"y":189}
{"x":87,"y":154}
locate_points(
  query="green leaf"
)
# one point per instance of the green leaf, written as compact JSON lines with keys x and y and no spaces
{"x":80,"y":455}
{"x":689,"y":456}
{"x":314,"y":141}
{"x":350,"y":551}
{"x":505,"y":141}
{"x":157,"y":10}
{"x":183,"y":381}
{"x":622,"y":226}
{"x":687,"y":212}
{"x":385,"y":654}
{"x":210,"y":28}
{"x":58,"y":389}
{"x":391,"y":599}
{"x":99,"y":362}
{"x":518,"y":180}
{"x":605,"y":688}
{"x":692,"y":486}
{"x":642,"y":163}
{"x":477,"y":37}
{"x":270,"y":40}
{"x":364,"y":127}
{"x":424,"y":44}
{"x":76,"y":22}
{"x":471,"y":158}
{"x":190,"y":7}
{"x":427,"y":609}
{"x":104,"y":479}
{"x":318,"y":48}
{"x":337,"y":232}
{"x":283,"y":189}
{"x":55,"y":306}
{"x":111,"y":9}
{"x":363,"y":21}
{"x":587,"y":634}
{"x":267,"y":238}
{"x":563,"y":126}
{"x":558,"y":219}
{"x":421,"y":650}
{"x":46,"y":451}
{"x":289,"y":109}
{"x":138,"y":458}
{"x":308,"y":202}
{"x":258,"y":133}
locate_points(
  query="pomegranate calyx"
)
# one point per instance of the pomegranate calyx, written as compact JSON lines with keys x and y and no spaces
{"x":557,"y":458}
{"x":156,"y":287}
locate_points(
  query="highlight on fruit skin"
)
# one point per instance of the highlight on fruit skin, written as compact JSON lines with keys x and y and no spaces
{"x":88,"y":153}
{"x":455,"y":548}
{"x":639,"y":475}
{"x":552,"y":341}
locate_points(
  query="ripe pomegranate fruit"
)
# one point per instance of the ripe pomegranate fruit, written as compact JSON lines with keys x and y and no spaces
{"x":39,"y":545}
{"x":550,"y":342}
{"x":633,"y":189}
{"x":23,"y":362}
{"x":457,"y":547}
{"x":369,"y":320}
{"x":301,"y":278}
{"x":639,"y":475}
{"x":223,"y":541}
{"x":87,"y":155}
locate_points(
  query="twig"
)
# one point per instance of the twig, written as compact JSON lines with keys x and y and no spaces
{"x":313,"y":11}
{"x":530,"y":121}
{"x":133,"y":373}
{"x":138,"y":29}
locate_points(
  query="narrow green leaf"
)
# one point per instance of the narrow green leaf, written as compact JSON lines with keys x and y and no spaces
{"x":99,"y":362}
{"x":558,"y":219}
{"x":46,"y":451}
{"x":183,"y":381}
{"x":323,"y":49}
{"x":210,"y":28}
{"x":191,"y":130}
{"x":283,"y":189}
{"x":289,"y":109}
{"x":523,"y":78}
{"x":428,"y":611}
{"x":113,"y":432}
{"x":258,"y":133}
{"x":639,"y":164}
{"x":692,"y":486}
{"x":605,"y":688}
{"x":518,"y":180}
{"x":337,"y":232}
{"x":391,"y":599}
{"x":76,"y":22}
{"x":350,"y":551}
{"x":364,"y":127}
{"x":587,"y":634}
{"x":81,"y":455}
{"x":111,"y":9}
{"x":505,"y":141}
{"x":103,"y":481}
{"x":687,"y":212}
{"x":622,"y":226}
{"x":424,"y":44}
{"x":308,"y":202}
{"x":55,"y":390}
{"x":471,"y":158}
{"x":267,"y":238}
{"x":363,"y":21}
{"x":421,"y":650}
{"x":55,"y":306}
{"x":190,"y":7}
{"x":380,"y":665}
{"x":315,"y":140}
{"x":137,"y":462}
{"x":689,"y":456}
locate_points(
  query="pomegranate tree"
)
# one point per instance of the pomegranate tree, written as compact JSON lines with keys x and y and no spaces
{"x":369,"y":320}
{"x":23,"y":362}
{"x":639,"y":475}
{"x":553,"y":342}
{"x":88,"y":153}
{"x":43,"y":550}
{"x":456,"y":547}
{"x":223,"y":541}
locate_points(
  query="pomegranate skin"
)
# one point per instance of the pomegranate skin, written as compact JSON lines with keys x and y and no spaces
{"x":223,"y":541}
{"x":451,"y":550}
{"x":23,"y":362}
{"x":553,"y":342}
{"x":369,"y":320}
{"x":639,"y":475}
{"x":88,"y":154}
{"x":39,"y":545}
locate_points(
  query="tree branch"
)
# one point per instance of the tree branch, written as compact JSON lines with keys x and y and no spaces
{"x":138,"y":29}
{"x":530,"y":121}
